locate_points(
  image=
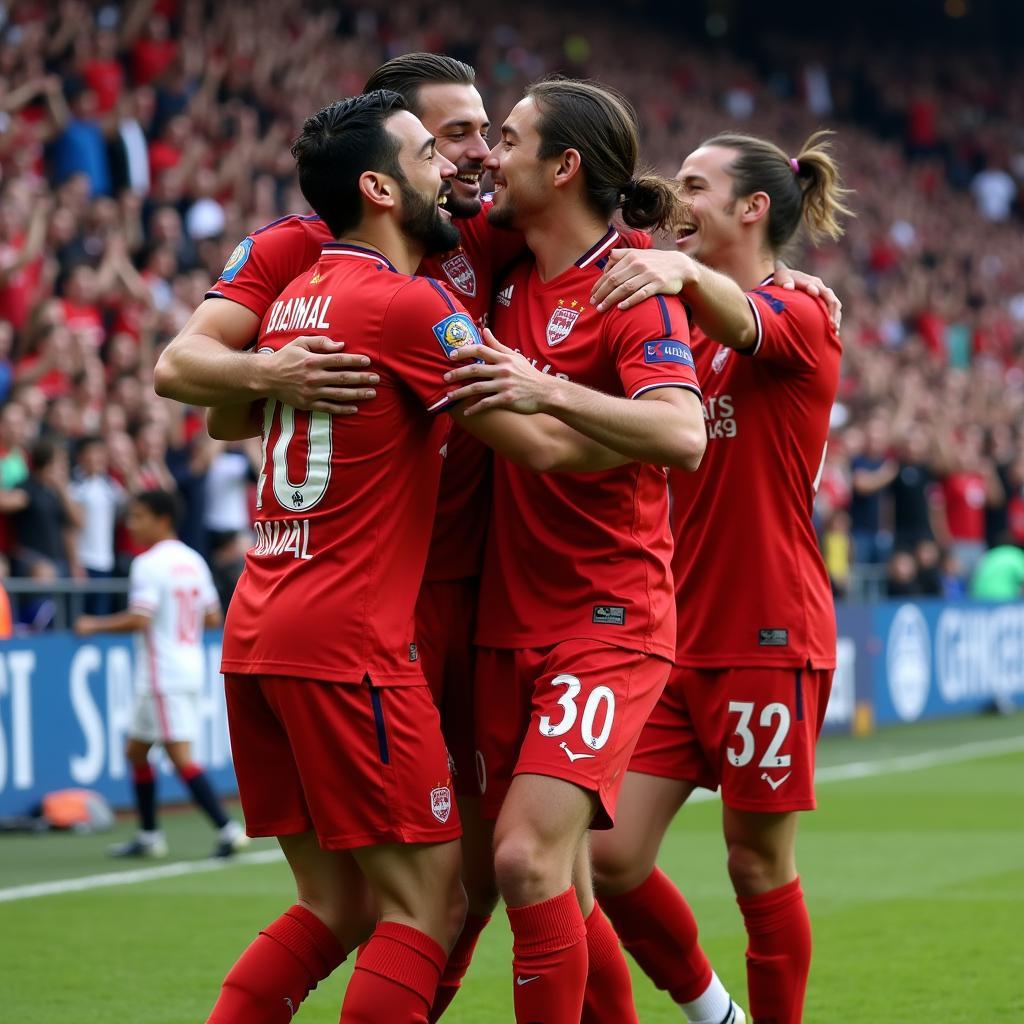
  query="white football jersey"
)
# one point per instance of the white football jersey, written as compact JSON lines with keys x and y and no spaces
{"x":172,"y":585}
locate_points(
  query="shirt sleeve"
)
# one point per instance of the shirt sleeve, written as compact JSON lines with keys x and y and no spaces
{"x":650,"y":345}
{"x":263,"y":264}
{"x":423,"y":326}
{"x":143,"y":588}
{"x":793,"y":328}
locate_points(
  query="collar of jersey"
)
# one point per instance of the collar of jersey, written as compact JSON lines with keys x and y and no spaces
{"x":346,"y":249}
{"x":602,"y":248}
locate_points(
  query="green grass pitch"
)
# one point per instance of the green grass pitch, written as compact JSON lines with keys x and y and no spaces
{"x":914,"y":878}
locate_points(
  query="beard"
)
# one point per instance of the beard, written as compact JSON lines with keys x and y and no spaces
{"x":503,"y":216}
{"x":422,"y":221}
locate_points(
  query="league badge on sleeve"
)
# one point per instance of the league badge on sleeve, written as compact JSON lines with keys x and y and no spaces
{"x":456,"y":331}
{"x":668,"y":350}
{"x":236,"y":260}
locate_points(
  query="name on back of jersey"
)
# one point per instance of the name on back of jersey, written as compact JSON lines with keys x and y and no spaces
{"x":281,"y":537}
{"x":304,"y":312}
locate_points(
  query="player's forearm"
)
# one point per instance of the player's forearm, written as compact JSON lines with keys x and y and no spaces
{"x":644,"y":431}
{"x":540,"y":443}
{"x":232,"y":422}
{"x":199,"y":370}
{"x":719,"y":307}
{"x":120,"y":622}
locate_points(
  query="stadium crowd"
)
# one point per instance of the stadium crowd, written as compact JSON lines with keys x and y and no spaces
{"x":139,"y":143}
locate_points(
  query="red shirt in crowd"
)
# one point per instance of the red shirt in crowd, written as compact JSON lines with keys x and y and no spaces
{"x":574,"y":555}
{"x":751,"y":582}
{"x":965,"y":495}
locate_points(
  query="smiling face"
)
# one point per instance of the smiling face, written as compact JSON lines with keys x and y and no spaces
{"x":712,"y":222}
{"x":455,"y":116}
{"x":425,"y":185}
{"x":522,"y":182}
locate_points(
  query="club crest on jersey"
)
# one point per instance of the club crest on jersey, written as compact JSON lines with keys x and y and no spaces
{"x":441,"y":803}
{"x":236,"y":260}
{"x":562,"y":322}
{"x":720,"y":357}
{"x":666,"y":350}
{"x":455,"y":332}
{"x":461,"y":274}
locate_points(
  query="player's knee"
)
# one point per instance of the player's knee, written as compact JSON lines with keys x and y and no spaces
{"x":523,"y":867}
{"x":755,"y":870}
{"x":618,"y":867}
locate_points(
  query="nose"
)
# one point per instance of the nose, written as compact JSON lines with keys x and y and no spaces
{"x":478,"y":150}
{"x":491,"y":161}
{"x":445,"y":166}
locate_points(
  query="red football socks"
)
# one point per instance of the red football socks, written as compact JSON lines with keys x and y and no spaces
{"x":778,"y":953}
{"x":549,"y":960}
{"x":458,"y":964}
{"x":278,"y":970}
{"x":657,"y":927}
{"x":609,"y":995}
{"x":395,"y":977}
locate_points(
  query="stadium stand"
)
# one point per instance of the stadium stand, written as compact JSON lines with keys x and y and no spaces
{"x":139,"y":143}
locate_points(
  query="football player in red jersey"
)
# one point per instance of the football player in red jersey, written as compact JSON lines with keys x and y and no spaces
{"x":576,"y":627}
{"x":335,"y":738}
{"x":207,"y":363}
{"x":757,"y":635}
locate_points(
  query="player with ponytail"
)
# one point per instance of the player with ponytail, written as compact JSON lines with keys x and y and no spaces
{"x":756,"y":625}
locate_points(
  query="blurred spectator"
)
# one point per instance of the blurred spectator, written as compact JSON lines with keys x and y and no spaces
{"x":872,"y":471}
{"x":232,"y":468}
{"x":46,"y":522}
{"x":98,"y":497}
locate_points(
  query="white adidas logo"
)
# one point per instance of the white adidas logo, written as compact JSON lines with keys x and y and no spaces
{"x":505,"y":295}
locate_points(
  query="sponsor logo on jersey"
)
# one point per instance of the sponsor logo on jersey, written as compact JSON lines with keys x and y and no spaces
{"x":666,"y":350}
{"x":236,"y":260}
{"x":505,"y":296}
{"x":562,"y":322}
{"x":773,"y":638}
{"x":572,"y":755}
{"x":609,"y":615}
{"x":461,"y":274}
{"x":441,"y":803}
{"x":720,"y":357}
{"x":455,"y":332}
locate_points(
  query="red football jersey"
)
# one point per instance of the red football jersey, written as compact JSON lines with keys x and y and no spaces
{"x":965,"y":495}
{"x":751,"y":583}
{"x":345,"y":503}
{"x":574,"y":555}
{"x":265,"y":261}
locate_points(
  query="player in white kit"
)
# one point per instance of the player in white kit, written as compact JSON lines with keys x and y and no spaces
{"x":172,"y":600}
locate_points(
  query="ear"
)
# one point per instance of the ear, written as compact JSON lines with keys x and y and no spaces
{"x":755,"y":207}
{"x":378,"y":189}
{"x":569,"y":165}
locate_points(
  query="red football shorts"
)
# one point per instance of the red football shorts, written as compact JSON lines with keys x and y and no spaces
{"x":751,"y":731}
{"x":573,"y":711}
{"x":357,"y":764}
{"x":445,"y":621}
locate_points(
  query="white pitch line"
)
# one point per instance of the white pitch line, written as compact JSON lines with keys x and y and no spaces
{"x":832,"y":773}
{"x":112,"y":878}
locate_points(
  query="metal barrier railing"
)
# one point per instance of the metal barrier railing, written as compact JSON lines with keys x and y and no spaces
{"x":59,"y":602}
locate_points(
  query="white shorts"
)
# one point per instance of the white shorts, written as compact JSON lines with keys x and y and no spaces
{"x":165,"y":717}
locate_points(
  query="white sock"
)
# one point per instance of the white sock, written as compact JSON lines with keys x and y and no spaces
{"x":714,"y":1006}
{"x":230,"y":830}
